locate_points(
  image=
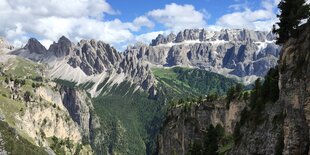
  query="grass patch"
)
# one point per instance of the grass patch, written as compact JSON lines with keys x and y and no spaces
{"x":15,"y":144}
{"x":22,"y":68}
{"x":10,"y":109}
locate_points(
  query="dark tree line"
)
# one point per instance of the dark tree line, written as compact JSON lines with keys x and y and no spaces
{"x":292,"y":13}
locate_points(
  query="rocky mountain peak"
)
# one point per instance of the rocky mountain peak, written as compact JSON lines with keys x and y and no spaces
{"x":171,"y":37}
{"x":62,"y":48}
{"x":64,"y":40}
{"x":161,"y":39}
{"x":94,"y":57}
{"x":34,"y":46}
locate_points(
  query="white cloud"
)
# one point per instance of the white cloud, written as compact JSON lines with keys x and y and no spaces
{"x":261,"y":19}
{"x":76,"y":28}
{"x":46,"y":43}
{"x":84,"y":19}
{"x":177,"y":17}
{"x":148,"y":37}
{"x":143,"y":21}
{"x":62,"y":8}
{"x":76,"y":19}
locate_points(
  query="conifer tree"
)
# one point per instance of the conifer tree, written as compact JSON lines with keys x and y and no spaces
{"x":292,"y":12}
{"x":211,"y":141}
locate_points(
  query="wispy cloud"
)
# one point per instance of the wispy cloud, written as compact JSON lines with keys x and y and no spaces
{"x":259,"y":19}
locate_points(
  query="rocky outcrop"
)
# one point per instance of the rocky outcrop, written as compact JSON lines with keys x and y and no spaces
{"x":161,"y":39}
{"x":79,"y":108}
{"x":47,"y":116}
{"x":261,"y":135}
{"x":183,"y":126}
{"x":62,"y":48}
{"x":94,"y":57}
{"x":34,"y":46}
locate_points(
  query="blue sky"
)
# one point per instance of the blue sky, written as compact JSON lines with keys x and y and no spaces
{"x":130,"y":9}
{"x":213,"y":9}
{"x":124,"y":22}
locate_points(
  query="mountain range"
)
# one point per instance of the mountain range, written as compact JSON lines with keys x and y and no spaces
{"x":241,"y":54}
{"x":87,"y":97}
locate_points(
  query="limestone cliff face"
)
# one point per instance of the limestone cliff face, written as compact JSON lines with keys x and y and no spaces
{"x":81,"y":111}
{"x":261,"y":135}
{"x":79,"y":108}
{"x":52,"y":115}
{"x":46,"y":116}
{"x":295,"y":93}
{"x":183,"y":127}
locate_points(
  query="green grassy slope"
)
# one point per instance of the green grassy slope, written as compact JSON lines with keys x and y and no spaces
{"x":192,"y":82}
{"x":16,"y":144}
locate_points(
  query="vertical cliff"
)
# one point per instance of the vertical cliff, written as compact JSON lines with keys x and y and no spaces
{"x":188,"y":124}
{"x":295,"y":93}
{"x":283,"y":127}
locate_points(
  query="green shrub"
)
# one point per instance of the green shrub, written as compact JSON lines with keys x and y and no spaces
{"x":27,"y":96}
{"x":195,"y":149}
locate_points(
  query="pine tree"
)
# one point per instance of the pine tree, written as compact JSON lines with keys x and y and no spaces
{"x":292,"y":13}
{"x":211,"y":141}
{"x":230,"y":95}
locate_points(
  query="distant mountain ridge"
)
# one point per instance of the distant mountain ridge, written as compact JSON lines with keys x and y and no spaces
{"x":242,"y":54}
{"x":239,"y":53}
{"x":206,"y":35}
